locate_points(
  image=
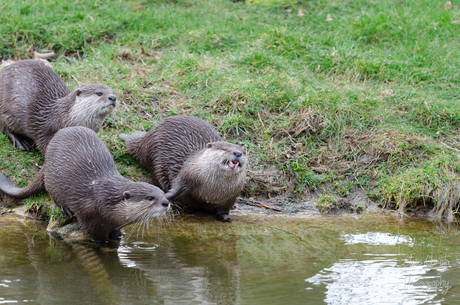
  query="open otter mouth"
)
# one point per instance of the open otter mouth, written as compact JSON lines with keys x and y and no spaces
{"x":233,"y":164}
{"x":109,"y":106}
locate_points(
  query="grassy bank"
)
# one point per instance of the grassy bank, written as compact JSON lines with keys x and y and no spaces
{"x":349,"y":97}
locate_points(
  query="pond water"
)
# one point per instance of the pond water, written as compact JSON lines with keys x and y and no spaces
{"x":369,"y":259}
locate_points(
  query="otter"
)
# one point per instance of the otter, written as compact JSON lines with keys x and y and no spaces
{"x":80,"y":175}
{"x":35,"y":103}
{"x":187,"y":158}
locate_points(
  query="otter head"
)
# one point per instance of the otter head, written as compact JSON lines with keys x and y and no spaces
{"x":215,"y":175}
{"x":140,"y":202}
{"x":230,"y":157}
{"x":92,"y":103}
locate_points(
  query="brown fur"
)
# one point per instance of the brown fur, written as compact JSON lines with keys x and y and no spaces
{"x":186,"y":156}
{"x":81,"y":177}
{"x":35,"y":103}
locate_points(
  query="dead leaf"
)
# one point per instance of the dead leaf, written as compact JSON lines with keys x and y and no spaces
{"x":300,"y":14}
{"x":139,"y":7}
{"x":456,"y":22}
{"x":328,"y":17}
{"x":125,"y":54}
{"x":44,"y":55}
{"x":388,"y":93}
{"x":448,"y":5}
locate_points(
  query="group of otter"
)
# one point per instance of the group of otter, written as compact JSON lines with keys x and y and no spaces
{"x":185,"y":156}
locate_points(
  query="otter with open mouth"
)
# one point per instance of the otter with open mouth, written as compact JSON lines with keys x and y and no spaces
{"x":35,"y":103}
{"x":187,"y":158}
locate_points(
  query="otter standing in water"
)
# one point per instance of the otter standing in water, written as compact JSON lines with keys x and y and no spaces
{"x":80,"y":175}
{"x":35,"y":103}
{"x":187,"y":157}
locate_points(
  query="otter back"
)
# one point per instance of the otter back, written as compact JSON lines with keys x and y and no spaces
{"x":23,"y":83}
{"x":164,"y":149}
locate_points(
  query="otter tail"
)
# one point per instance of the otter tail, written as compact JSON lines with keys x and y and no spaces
{"x":123,"y":136}
{"x":37,"y":186}
{"x":133,"y":142}
{"x":132,"y":137}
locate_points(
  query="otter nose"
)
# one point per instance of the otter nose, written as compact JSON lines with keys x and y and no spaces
{"x":112,"y":98}
{"x":237,"y":154}
{"x":165,"y":203}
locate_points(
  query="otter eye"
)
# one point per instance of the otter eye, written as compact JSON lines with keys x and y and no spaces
{"x":150,"y":198}
{"x":99,"y":93}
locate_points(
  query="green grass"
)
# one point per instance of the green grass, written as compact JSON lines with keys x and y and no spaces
{"x":365,"y":101}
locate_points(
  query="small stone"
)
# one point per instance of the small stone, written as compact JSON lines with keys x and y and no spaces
{"x":328,"y":18}
{"x":448,"y":5}
{"x":300,"y":13}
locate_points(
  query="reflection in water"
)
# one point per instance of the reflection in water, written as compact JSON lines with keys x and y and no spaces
{"x":62,"y":269}
{"x":377,"y":238}
{"x":203,"y":269}
{"x":379,"y":281}
{"x":200,"y":261}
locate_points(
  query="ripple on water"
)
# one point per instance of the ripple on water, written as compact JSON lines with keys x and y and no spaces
{"x":386,"y":278}
{"x":377,"y":238}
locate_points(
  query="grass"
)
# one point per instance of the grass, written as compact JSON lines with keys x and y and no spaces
{"x":365,"y":101}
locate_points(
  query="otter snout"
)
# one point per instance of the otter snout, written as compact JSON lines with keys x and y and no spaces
{"x":236,"y":160}
{"x":165,"y":204}
{"x":112,"y":101}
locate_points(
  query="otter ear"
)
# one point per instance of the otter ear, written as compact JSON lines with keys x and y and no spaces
{"x":127,"y":195}
{"x":78,"y":92}
{"x":209,"y":145}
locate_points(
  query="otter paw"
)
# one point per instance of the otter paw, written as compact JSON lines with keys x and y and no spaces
{"x":115,"y":234}
{"x":223,"y":217}
{"x":19,"y":142}
{"x":67,"y":212}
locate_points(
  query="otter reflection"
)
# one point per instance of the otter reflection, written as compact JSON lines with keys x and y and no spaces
{"x":167,"y":269}
{"x":191,"y":264}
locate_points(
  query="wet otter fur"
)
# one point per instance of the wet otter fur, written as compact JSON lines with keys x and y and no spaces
{"x":80,"y":175}
{"x":35,"y":103}
{"x":187,"y":158}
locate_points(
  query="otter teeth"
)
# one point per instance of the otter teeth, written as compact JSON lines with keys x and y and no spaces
{"x":233,"y":164}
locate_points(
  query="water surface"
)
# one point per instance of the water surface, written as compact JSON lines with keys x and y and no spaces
{"x":371,"y":259}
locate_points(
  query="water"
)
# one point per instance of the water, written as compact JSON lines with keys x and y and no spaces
{"x":373,"y":259}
